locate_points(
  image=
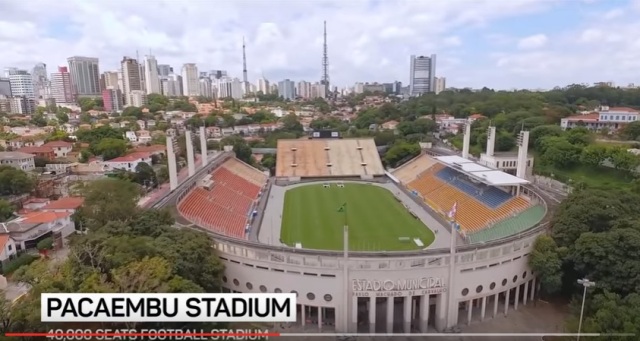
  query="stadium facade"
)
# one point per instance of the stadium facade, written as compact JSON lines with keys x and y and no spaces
{"x":376,"y":292}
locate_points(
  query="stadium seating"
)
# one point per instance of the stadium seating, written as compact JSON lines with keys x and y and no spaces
{"x":490,"y":196}
{"x":226,"y":207}
{"x":412,"y":169}
{"x":510,"y":226}
{"x":472,"y":214}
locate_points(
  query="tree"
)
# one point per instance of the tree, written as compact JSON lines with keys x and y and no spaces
{"x":632,"y":130}
{"x":401,"y":151}
{"x":110,"y":200}
{"x":62,"y":117}
{"x":133,"y":111}
{"x":624,"y":160}
{"x":594,"y":155}
{"x":559,"y":152}
{"x":39,"y":120}
{"x":111,"y":148}
{"x":14,"y":181}
{"x":545,"y":261}
{"x":290,"y":123}
{"x":145,"y":175}
{"x":240,"y":148}
{"x":6,"y":210}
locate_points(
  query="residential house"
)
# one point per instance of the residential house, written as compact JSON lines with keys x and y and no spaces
{"x":18,"y":160}
{"x":128,"y":162}
{"x":66,"y":204}
{"x":131,"y":136}
{"x":8,"y":248}
{"x":69,"y":128}
{"x":213,"y":132}
{"x":25,"y":141}
{"x":389,"y":125}
{"x":33,"y":227}
{"x":143,"y":136}
{"x":612,"y":119}
{"x":60,"y":148}
{"x":41,"y":152}
{"x":142,"y":124}
{"x":156,"y":149}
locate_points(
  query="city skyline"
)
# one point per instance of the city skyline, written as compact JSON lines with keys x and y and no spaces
{"x":481,"y":43}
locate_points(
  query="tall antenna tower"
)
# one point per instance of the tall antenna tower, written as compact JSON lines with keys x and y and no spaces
{"x":244,"y":67}
{"x":325,"y":63}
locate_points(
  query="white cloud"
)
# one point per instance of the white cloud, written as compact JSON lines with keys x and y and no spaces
{"x":452,"y":41}
{"x":533,"y":42}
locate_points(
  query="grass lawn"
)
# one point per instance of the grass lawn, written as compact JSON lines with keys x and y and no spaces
{"x":375,"y":218}
{"x":600,"y":177}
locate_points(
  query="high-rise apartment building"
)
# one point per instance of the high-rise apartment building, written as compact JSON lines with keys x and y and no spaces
{"x":441,"y":85}
{"x":164,"y":70}
{"x":21,"y":82}
{"x":205,"y":88}
{"x":263,"y":86}
{"x":303,"y":89}
{"x":111,"y":80}
{"x":85,"y":76}
{"x":318,"y":90}
{"x":172,"y":85}
{"x":287,"y":89}
{"x":230,"y":88}
{"x":112,"y":99}
{"x":217,"y":74}
{"x":62,"y":89}
{"x":190,"y":83}
{"x":151,"y":75}
{"x":22,"y":105}
{"x":137,"y":98}
{"x":422,"y":75}
{"x":130,"y":77}
{"x":40,"y":80}
{"x":5,"y":87}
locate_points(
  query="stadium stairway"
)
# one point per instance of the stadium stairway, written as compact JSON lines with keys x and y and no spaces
{"x":510,"y":226}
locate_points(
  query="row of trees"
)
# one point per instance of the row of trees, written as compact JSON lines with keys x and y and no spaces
{"x":124,"y":249}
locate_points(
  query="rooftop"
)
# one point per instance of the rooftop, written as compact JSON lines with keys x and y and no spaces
{"x":135,"y":156}
{"x":480,"y":172}
{"x":14,"y":156}
{"x":68,"y":203}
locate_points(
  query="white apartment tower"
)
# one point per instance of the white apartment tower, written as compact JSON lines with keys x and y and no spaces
{"x":151,"y":75}
{"x":85,"y":76}
{"x":62,"y":89}
{"x":422,"y":75}
{"x":441,"y":84}
{"x":137,"y":98}
{"x":190,"y":82}
{"x":230,"y":88}
{"x":263,"y":85}
{"x":130,"y":78}
{"x":111,"y":79}
{"x":40,"y":80}
{"x":304,"y":89}
{"x":287,"y":89}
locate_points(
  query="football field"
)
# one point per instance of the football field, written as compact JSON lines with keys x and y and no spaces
{"x":314,"y":217}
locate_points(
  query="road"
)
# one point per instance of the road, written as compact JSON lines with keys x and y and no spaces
{"x":164,"y":188}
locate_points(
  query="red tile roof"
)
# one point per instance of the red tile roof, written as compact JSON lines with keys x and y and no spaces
{"x":622,"y":109}
{"x":135,"y":156}
{"x":41,"y":149}
{"x":68,"y":203}
{"x":44,"y":217}
{"x":58,"y":144}
{"x":151,"y":149}
{"x":4,"y":239}
{"x":587,"y":117}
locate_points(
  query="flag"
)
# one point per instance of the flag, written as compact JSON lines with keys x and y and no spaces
{"x":343,"y":208}
{"x":453,"y":211}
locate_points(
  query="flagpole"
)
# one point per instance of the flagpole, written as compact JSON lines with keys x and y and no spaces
{"x":345,"y":273}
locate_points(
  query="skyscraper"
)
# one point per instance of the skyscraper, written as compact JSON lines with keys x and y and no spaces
{"x":287,"y":89}
{"x":190,"y":82}
{"x":263,"y":86}
{"x":112,"y":99}
{"x":422,"y":75}
{"x":61,"y":86}
{"x":40,"y":80}
{"x":164,"y":70}
{"x":441,"y":84}
{"x":5,"y":87}
{"x":111,"y":79}
{"x":85,"y":76}
{"x":151,"y":75}
{"x":130,"y":78}
{"x":304,"y":89}
{"x":21,"y":83}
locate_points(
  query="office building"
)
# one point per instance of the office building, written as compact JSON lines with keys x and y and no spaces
{"x":205,"y":88}
{"x":164,"y":70}
{"x":111,"y":80}
{"x":40,"y":80}
{"x":287,"y":89}
{"x":62,"y":89}
{"x":85,"y":76}
{"x":5,"y":87}
{"x":130,"y":78}
{"x":21,"y":82}
{"x":441,"y":85}
{"x":318,"y":90}
{"x":422,"y":75}
{"x":190,"y":84}
{"x":151,"y":75}
{"x":217,"y":74}
{"x":172,"y":85}
{"x":112,"y":99}
{"x":22,"y":105}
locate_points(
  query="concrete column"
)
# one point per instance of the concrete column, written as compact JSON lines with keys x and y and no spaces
{"x":191,"y":162}
{"x":491,"y":141}
{"x":506,"y":302}
{"x":173,"y":167}
{"x":495,"y":304}
{"x":203,"y":146}
{"x":533,"y":288}
{"x":372,"y":315}
{"x":302,"y":317}
{"x":526,"y":291}
{"x":521,"y":167}
{"x":424,"y":313}
{"x":483,"y":308}
{"x":515,"y":304}
{"x":466,"y":140}
{"x":469,"y":311}
{"x":406,"y":315}
{"x":389,"y":314}
{"x":320,"y":318}
{"x":441,"y":312}
{"x":353,"y":325}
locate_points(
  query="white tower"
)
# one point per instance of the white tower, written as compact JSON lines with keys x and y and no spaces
{"x":523,"y":147}
{"x":190,"y":159}
{"x":491,"y":140}
{"x":173,"y":168}
{"x":466,"y":140}
{"x":203,"y":146}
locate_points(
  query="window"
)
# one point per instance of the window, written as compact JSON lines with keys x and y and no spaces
{"x":328,"y":298}
{"x":278,"y":290}
{"x":492,"y":286}
{"x":294,"y":292}
{"x":224,"y":279}
{"x":311,"y":296}
{"x":479,"y":289}
{"x":524,"y":275}
{"x":249,"y":286}
{"x":465,"y":291}
{"x":263,"y":288}
{"x":236,"y":282}
{"x":504,"y":282}
{"x":515,"y":279}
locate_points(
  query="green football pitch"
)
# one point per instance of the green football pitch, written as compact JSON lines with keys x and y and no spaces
{"x":377,"y":221}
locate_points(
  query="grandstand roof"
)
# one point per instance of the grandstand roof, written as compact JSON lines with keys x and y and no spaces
{"x":480,"y":172}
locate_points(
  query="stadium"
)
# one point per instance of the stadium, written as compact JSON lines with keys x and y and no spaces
{"x":440,"y":241}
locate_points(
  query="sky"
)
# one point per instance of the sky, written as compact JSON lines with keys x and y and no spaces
{"x":501,"y":44}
